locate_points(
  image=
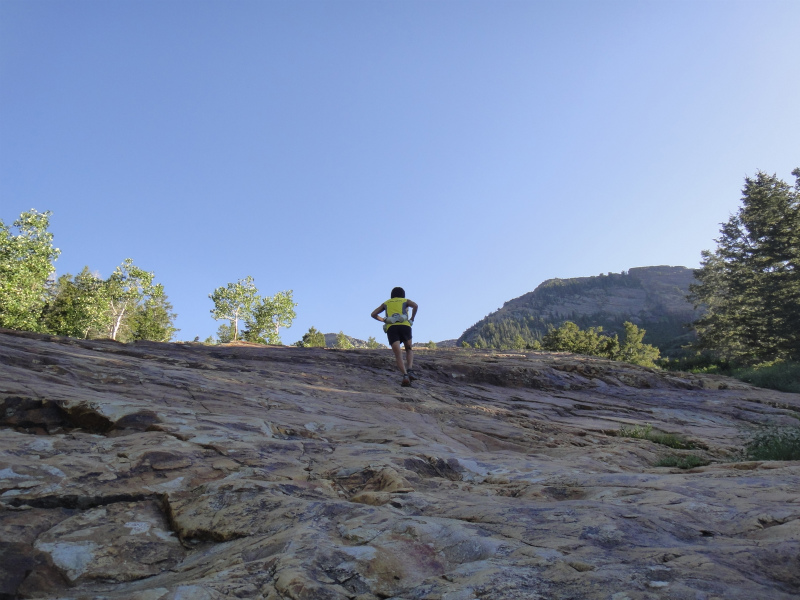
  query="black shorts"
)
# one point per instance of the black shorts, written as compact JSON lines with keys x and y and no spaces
{"x":399,"y":333}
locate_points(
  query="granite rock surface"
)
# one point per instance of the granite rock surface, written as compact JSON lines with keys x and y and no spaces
{"x":181,"y":471}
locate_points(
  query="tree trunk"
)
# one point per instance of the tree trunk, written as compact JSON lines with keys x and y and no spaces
{"x":117,"y":322}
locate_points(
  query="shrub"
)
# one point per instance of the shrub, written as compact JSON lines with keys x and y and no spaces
{"x":774,"y":443}
{"x":783,"y":376}
{"x":639,"y":432}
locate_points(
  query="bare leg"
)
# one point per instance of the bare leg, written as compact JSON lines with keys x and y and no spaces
{"x":409,"y":356}
{"x":398,"y":356}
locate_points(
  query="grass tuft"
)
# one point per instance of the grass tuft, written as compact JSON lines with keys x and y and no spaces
{"x":774,"y":443}
{"x":672,"y":440}
{"x":782,"y":376}
{"x":682,"y":462}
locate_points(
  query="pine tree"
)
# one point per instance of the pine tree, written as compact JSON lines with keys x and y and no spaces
{"x":342,"y":341}
{"x":312,"y":339}
{"x":154,"y":320}
{"x":750,"y":285}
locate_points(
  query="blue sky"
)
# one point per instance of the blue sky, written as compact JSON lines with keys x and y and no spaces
{"x":466,"y":151}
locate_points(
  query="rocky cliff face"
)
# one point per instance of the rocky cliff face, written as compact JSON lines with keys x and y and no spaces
{"x":331,"y":339}
{"x":180,"y":471}
{"x":651,"y":297}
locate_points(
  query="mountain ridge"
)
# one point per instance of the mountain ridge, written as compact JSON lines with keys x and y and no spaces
{"x":653,"y":298}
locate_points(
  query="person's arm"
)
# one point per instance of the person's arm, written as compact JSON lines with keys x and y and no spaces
{"x":377,"y":311}
{"x":414,"y":308}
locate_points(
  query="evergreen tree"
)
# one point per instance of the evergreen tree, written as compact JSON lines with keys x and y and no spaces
{"x":153,"y":320}
{"x":750,"y":285}
{"x":372,"y":343}
{"x":342,"y":342}
{"x":312,"y":339}
{"x":632,"y":349}
{"x":224,"y":333}
{"x":518,"y":343}
{"x":78,"y":307}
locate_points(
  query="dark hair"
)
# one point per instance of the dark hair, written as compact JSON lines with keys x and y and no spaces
{"x":398,"y":292}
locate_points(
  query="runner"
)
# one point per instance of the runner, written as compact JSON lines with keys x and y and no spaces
{"x":397,"y":325}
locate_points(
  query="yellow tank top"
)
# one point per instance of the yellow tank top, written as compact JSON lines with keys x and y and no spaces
{"x":399,"y":307}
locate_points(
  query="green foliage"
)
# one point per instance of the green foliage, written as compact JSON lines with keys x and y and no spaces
{"x":26,"y":263}
{"x":312,"y":339}
{"x":571,"y":338}
{"x":750,"y":285}
{"x":372,"y":343}
{"x":519,"y":342}
{"x":224,"y":333}
{"x":431,"y":345}
{"x":465,"y":344}
{"x":689,"y":461}
{"x":234,"y":302}
{"x":639,"y":432}
{"x":153,"y":320}
{"x":632,"y":350}
{"x":342,"y":342}
{"x":695,"y":362}
{"x":269,"y":314}
{"x":780,"y":375}
{"x":128,"y":290}
{"x":78,"y":307}
{"x":126,"y":306}
{"x":774,"y":443}
{"x":646,"y":433}
{"x":263,"y":317}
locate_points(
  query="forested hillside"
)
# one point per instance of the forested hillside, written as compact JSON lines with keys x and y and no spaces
{"x":654,"y":298}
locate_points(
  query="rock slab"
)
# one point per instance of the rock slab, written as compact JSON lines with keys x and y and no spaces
{"x":182,"y":471}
